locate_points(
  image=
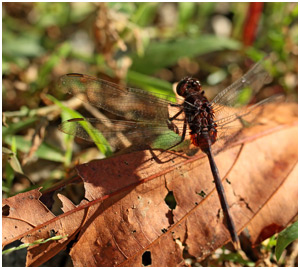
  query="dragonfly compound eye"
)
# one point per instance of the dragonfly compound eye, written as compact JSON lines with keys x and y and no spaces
{"x":186,"y":84}
{"x":182,"y":86}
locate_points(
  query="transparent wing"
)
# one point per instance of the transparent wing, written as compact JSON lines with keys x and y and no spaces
{"x":130,"y":103}
{"x":235,"y":114}
{"x":123,"y":134}
{"x":229,"y":127}
{"x":254,"y":79}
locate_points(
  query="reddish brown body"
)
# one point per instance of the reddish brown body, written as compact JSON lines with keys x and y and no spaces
{"x":199,"y":113}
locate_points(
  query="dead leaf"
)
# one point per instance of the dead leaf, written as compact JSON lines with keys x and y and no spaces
{"x":19,"y":214}
{"x":126,"y":221}
{"x":25,"y":217}
{"x":64,"y":225}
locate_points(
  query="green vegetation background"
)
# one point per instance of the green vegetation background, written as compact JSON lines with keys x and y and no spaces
{"x":146,"y":45}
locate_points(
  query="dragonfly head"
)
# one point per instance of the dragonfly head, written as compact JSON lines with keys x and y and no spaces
{"x":186,"y":85}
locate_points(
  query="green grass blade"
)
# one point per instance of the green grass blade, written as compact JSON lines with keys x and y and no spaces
{"x":286,"y":237}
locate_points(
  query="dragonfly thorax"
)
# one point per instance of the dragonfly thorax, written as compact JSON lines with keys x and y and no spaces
{"x":200,"y":118}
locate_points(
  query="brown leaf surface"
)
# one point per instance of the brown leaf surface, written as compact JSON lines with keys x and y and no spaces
{"x":19,"y":214}
{"x":125,"y":214}
{"x":25,"y":217}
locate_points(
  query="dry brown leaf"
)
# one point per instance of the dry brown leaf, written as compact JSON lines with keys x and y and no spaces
{"x":25,"y":217}
{"x":125,"y":215}
{"x":19,"y":214}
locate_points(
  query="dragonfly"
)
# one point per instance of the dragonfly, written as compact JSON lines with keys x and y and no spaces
{"x":144,"y":119}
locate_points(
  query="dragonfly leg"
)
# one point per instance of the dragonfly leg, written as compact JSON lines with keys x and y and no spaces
{"x":176,"y":105}
{"x":176,"y":115}
{"x":182,"y":136}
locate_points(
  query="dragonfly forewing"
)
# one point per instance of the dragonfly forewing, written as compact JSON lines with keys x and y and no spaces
{"x":253,"y":80}
{"x":130,"y":103}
